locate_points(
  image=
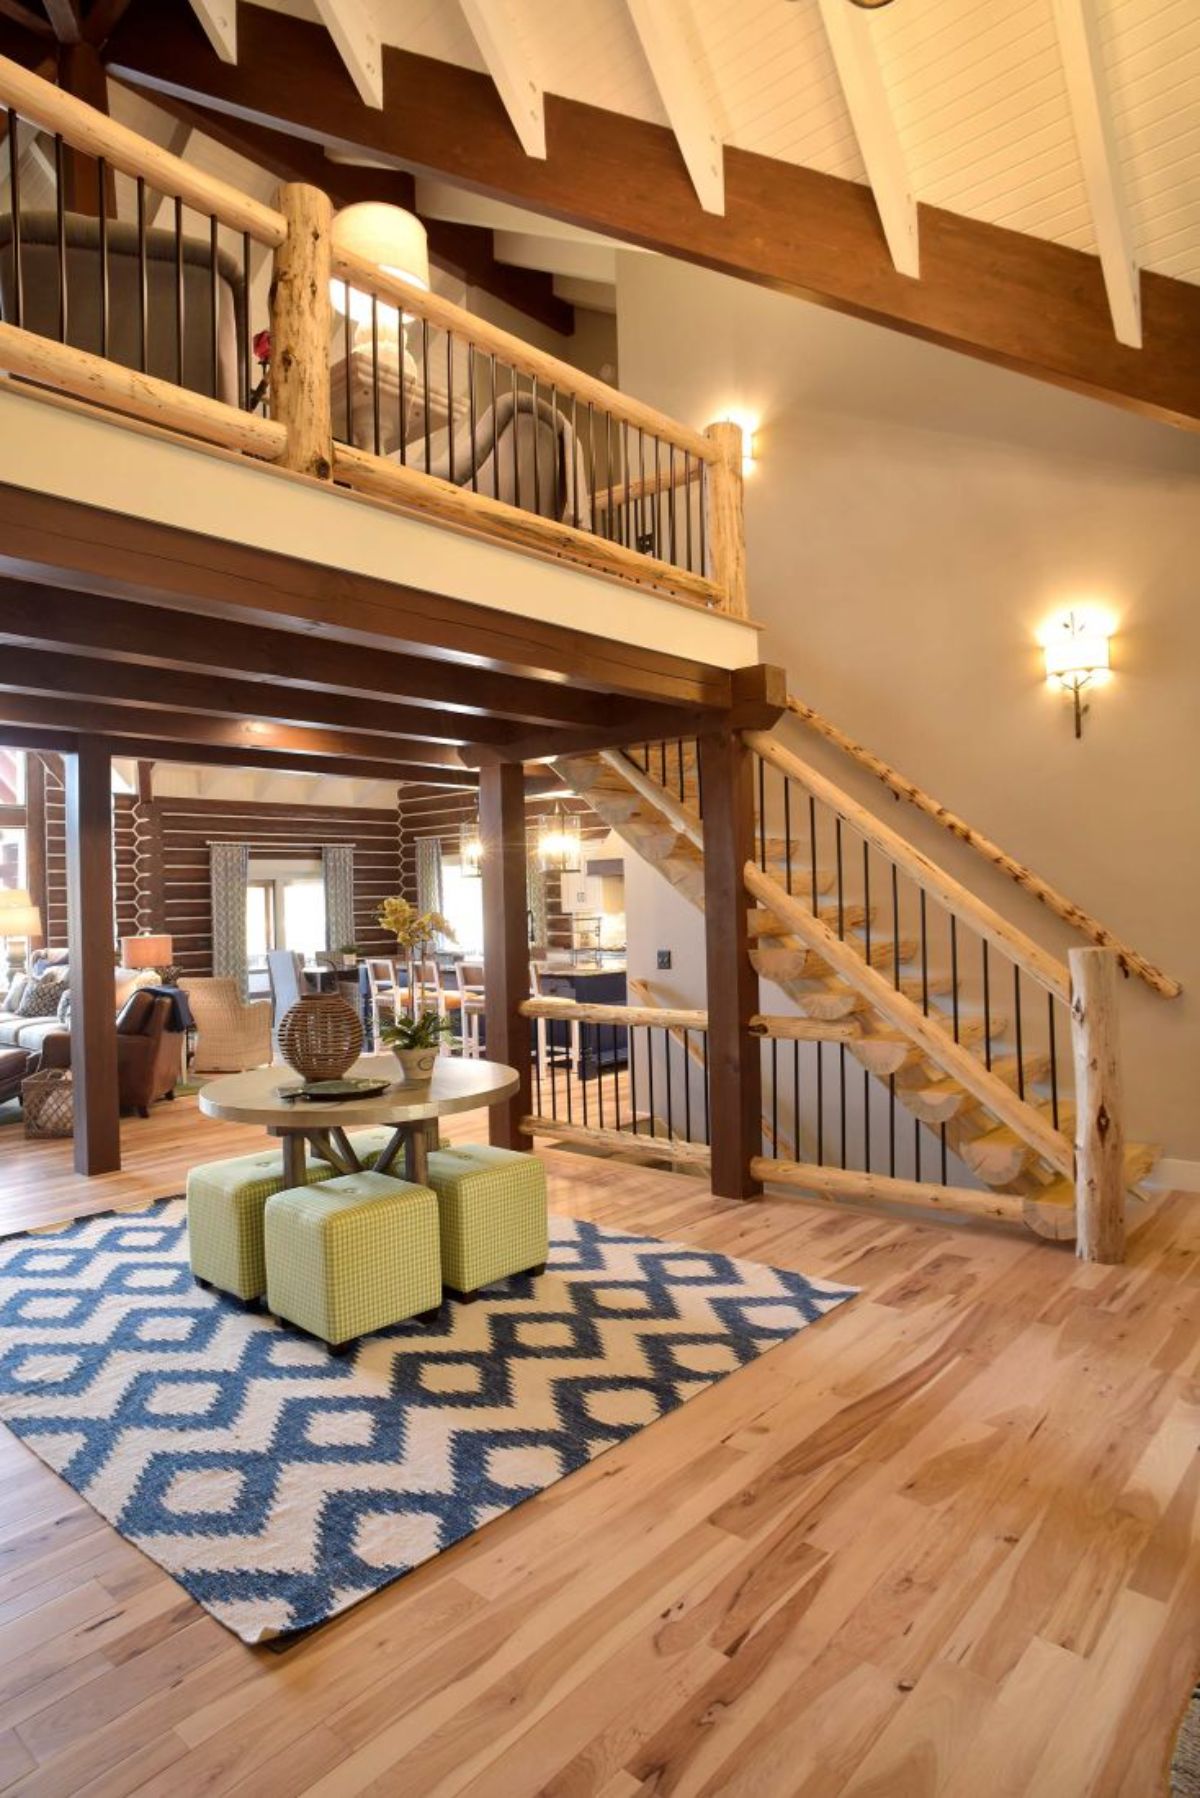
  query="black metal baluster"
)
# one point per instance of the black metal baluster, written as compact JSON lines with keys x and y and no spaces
{"x":425,"y":394}
{"x":987,"y":1011}
{"x":537,"y":460}
{"x":687,"y":509}
{"x":707,"y":1113}
{"x":866,"y":1120}
{"x":376,"y":420}
{"x":214,"y":304}
{"x":670,"y":1105}
{"x":574,"y":477}
{"x":143,"y":284}
{"x":515,"y":434}
{"x":555,"y":481}
{"x":600,"y":1072}
{"x":583,"y":1056}
{"x":841,"y":896}
{"x":450,"y":404}
{"x":246,"y":334}
{"x":617,"y":1058}
{"x":787,"y":831}
{"x":762,"y":813}
{"x":1017,"y":1023}
{"x":820,"y":1104}
{"x":552,"y":1064}
{"x":348,"y":365}
{"x":60,"y":212}
{"x":892,"y":1125}
{"x":954,"y":972}
{"x":473,"y":415}
{"x":687,"y":1083}
{"x":673,"y":556}
{"x":702,"y":503}
{"x":572,"y":1071}
{"x":641,"y":503}
{"x":537,"y":1075}
{"x":1053,"y":1063}
{"x":591,"y":466}
{"x":924,"y":957}
{"x":775,"y":1095}
{"x":105,"y":289}
{"x":631,"y":1054}
{"x":842,"y":1098}
{"x":14,"y":185}
{"x":658,"y":498}
{"x":812,"y":844}
{"x":795,"y":1101}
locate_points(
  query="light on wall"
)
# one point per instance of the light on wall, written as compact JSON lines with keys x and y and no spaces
{"x":560,"y":843}
{"x":395,"y":241}
{"x":1075,"y":646}
{"x":747,"y":423}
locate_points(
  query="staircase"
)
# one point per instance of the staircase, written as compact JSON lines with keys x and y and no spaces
{"x":870,"y":942}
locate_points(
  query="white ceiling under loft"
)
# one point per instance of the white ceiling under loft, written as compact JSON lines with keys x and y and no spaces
{"x":1075,"y":121}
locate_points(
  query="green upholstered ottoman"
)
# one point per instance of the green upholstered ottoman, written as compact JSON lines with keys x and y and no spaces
{"x":491,"y":1213}
{"x":352,"y":1255}
{"x":226,"y":1200}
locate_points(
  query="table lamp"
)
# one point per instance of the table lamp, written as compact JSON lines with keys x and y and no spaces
{"x":149,"y":952}
{"x":19,"y":918}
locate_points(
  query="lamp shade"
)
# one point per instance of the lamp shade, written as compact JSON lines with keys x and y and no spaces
{"x":146,"y":951}
{"x":394,"y":240}
{"x":20,"y":920}
{"x":1076,"y":650}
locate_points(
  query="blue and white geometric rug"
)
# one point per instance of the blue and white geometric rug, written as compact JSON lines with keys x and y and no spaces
{"x":280,"y":1485}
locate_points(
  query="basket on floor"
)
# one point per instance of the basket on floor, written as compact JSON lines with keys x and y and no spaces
{"x":48,"y":1103}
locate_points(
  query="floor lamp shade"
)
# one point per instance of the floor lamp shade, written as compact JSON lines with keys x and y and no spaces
{"x":19,"y":916}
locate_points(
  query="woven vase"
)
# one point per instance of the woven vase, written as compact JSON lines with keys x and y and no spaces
{"x":321,"y":1036}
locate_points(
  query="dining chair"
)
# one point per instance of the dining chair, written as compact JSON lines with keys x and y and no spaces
{"x":545,"y":1047}
{"x":445,"y":999}
{"x":384,"y":987}
{"x":285,"y":974}
{"x":472,"y":988}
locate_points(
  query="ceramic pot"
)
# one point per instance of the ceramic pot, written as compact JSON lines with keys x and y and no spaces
{"x":416,"y":1065}
{"x":321,"y":1036}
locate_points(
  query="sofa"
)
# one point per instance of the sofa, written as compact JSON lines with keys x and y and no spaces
{"x":149,"y":1052}
{"x":20,"y":1032}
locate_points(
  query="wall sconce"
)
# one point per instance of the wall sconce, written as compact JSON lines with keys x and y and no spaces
{"x":748,"y":422}
{"x":470,"y":850}
{"x":1075,"y":647}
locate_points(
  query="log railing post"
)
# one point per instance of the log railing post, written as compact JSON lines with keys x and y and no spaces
{"x":504,"y":869}
{"x":734,"y":1055}
{"x":1099,"y":1126}
{"x":725,"y":518}
{"x":302,"y":328}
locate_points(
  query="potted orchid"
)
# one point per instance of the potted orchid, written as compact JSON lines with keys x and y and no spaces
{"x":415,"y":933}
{"x":415,"y":1042}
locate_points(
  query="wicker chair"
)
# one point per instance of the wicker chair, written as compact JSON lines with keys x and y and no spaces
{"x":231,"y":1034}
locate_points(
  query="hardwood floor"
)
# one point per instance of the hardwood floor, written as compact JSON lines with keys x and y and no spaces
{"x":945,"y":1542}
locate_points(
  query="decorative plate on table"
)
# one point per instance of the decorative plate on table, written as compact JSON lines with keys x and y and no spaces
{"x":333,"y":1092}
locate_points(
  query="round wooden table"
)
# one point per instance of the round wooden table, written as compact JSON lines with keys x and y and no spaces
{"x":412,"y":1110}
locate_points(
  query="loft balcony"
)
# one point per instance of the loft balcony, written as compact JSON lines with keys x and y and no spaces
{"x":420,"y":448}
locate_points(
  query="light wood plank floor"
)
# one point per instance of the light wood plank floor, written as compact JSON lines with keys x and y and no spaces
{"x":946,"y":1542}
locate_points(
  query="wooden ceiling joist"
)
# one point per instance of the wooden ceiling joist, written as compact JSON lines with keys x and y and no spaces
{"x":1001,"y":295}
{"x":219,"y":19}
{"x":350,"y":25}
{"x":849,"y":32}
{"x":663,"y":30}
{"x":1083,"y":65}
{"x":496,"y":28}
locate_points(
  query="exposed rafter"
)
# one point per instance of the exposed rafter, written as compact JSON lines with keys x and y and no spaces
{"x":219,"y":19}
{"x":497,"y":31}
{"x":849,"y":31}
{"x":65,"y":18}
{"x":1079,"y":45}
{"x":664,"y":30}
{"x":352,"y":29}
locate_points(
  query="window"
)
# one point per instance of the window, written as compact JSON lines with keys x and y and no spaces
{"x":462,"y":902}
{"x":285,"y":909}
{"x":260,"y":919}
{"x":12,"y":777}
{"x":303,"y":915}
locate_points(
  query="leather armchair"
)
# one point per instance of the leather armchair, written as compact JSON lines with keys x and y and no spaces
{"x":149,"y":1056}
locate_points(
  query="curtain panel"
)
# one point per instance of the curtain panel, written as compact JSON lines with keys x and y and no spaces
{"x":229,"y":875}
{"x":337,"y":861}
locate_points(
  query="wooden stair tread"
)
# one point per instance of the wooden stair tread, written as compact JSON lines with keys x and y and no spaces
{"x":1140,"y":1157}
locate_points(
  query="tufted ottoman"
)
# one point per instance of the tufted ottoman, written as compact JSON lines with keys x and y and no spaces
{"x":352,"y":1255}
{"x":492,"y":1215}
{"x":226,"y":1201}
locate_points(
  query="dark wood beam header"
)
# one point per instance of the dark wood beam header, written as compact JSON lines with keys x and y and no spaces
{"x":1000,"y":295}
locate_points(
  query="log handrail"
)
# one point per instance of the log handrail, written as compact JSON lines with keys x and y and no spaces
{"x":523,"y":357}
{"x":1130,"y":960}
{"x":941,"y":1048}
{"x":93,"y":132}
{"x":995,"y":929}
{"x":633,"y":1015}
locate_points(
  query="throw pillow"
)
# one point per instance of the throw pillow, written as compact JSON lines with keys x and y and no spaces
{"x":64,"y":1009}
{"x":40,"y":998}
{"x":12,"y":997}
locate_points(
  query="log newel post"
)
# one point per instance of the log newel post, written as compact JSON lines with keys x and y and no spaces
{"x":92,"y":934}
{"x":301,"y":330}
{"x":734,"y":1054}
{"x":1099,"y":1117}
{"x":725,"y":519}
{"x":506,"y":940}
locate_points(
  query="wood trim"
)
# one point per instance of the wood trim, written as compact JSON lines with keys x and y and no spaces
{"x":524,"y":357}
{"x":68,"y":543}
{"x":786,"y":1028}
{"x":137,"y":395}
{"x":428,"y":496}
{"x":97,"y":1147}
{"x":836,"y":1183}
{"x":86,"y":129}
{"x":505,"y":941}
{"x":1130,"y":960}
{"x":900,"y":1011}
{"x":1004,"y":296}
{"x":1028,"y":955}
{"x":734,"y":1063}
{"x":1100,"y":1177}
{"x":35,"y":835}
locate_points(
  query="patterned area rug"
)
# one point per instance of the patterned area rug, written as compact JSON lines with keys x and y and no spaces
{"x":1185,"y":1760}
{"x":280,"y":1485}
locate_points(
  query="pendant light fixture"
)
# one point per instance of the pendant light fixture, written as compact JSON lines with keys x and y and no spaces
{"x":560,"y":843}
{"x":470,"y":850}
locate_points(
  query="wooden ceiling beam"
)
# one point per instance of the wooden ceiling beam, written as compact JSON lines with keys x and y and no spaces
{"x":849,"y":31}
{"x":219,"y":19}
{"x":1001,"y":295}
{"x":44,"y":617}
{"x":352,"y":29}
{"x":187,"y":730}
{"x":25,"y":670}
{"x":65,"y":20}
{"x":666,"y":34}
{"x":496,"y":28}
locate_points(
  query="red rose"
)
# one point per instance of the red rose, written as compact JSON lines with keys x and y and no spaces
{"x":262,"y":346}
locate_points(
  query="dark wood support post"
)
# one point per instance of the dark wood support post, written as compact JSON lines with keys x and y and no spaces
{"x":506,"y":939}
{"x":35,"y":839}
{"x":91,"y":928}
{"x":734,"y":1056}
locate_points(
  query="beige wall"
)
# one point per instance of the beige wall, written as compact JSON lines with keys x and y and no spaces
{"x":912,"y":518}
